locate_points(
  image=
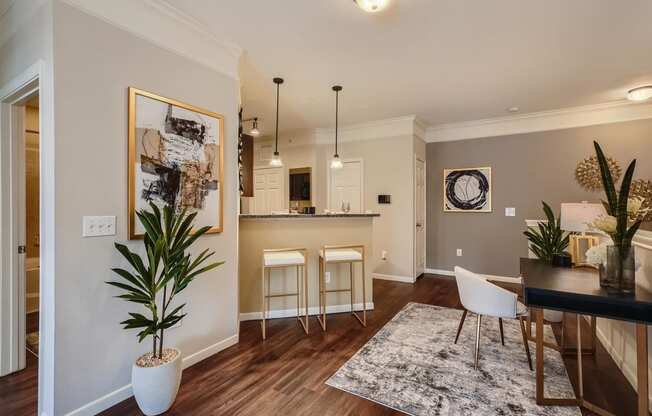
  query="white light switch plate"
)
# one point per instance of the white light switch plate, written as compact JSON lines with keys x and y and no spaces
{"x":327,"y":277}
{"x":459,"y":252}
{"x":510,"y":212}
{"x":98,"y":226}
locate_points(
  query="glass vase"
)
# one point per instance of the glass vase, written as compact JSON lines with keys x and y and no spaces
{"x":619,"y":274}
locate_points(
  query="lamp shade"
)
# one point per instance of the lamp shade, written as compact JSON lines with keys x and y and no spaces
{"x":576,"y":216}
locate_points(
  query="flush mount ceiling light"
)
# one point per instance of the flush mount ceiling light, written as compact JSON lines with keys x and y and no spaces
{"x":371,"y":6}
{"x":276,"y":161}
{"x":336,"y":163}
{"x":640,"y":94}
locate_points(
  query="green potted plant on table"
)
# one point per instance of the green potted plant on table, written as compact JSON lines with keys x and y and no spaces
{"x":154,"y":282}
{"x":623,"y":219}
{"x":549,"y":243}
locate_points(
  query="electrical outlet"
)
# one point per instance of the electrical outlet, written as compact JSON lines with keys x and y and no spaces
{"x":98,"y":226}
{"x":459,"y":252}
{"x":383,"y":255}
{"x":327,"y":277}
{"x":510,"y":212}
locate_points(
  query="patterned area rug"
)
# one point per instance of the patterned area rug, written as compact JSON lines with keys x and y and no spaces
{"x":411,"y":365}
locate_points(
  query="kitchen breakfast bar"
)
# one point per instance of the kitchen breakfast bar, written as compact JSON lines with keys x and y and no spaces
{"x":310,"y":232}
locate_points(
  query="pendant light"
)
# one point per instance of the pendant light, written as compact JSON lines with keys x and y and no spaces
{"x":254,"y":131}
{"x":336,"y":163}
{"x":276,"y":159}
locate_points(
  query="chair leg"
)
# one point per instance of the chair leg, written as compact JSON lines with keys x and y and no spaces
{"x":459,"y":328}
{"x":502,"y":334}
{"x":525,"y":343}
{"x":477,"y":341}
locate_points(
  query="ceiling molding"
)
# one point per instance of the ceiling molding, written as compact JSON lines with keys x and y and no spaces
{"x":613,"y":112}
{"x":371,"y":130}
{"x":151,"y":20}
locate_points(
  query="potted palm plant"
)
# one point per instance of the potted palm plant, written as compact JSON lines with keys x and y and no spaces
{"x":154,"y":283}
{"x":623,"y":219}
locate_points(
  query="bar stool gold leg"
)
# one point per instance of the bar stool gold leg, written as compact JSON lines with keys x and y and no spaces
{"x":352,"y":286}
{"x":305,"y":292}
{"x":321,"y":316}
{"x":262,"y":303}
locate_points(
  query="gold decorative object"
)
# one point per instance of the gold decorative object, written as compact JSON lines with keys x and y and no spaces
{"x":642,"y":188}
{"x":588,"y":176}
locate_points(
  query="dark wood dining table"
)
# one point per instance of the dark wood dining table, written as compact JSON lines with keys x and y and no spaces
{"x":577,"y":290}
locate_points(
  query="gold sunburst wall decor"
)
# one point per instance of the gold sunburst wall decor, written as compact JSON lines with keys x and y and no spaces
{"x":588,"y":176}
{"x":642,"y":188}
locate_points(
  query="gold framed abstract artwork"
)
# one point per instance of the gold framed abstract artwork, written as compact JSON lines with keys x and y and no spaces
{"x":176,"y":158}
{"x":467,"y":190}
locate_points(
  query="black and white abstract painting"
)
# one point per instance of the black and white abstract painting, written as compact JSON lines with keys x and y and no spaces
{"x":467,"y":190}
{"x":175,"y":159}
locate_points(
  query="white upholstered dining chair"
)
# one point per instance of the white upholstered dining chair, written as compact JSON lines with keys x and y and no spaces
{"x":486,"y":299}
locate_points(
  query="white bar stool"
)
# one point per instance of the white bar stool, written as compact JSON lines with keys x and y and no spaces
{"x":283,"y":258}
{"x":341,"y":254}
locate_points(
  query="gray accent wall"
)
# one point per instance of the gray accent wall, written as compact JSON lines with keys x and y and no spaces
{"x":526,"y":169}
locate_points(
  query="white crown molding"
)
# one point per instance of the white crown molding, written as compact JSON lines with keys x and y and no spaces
{"x":612,"y":112}
{"x":151,"y":20}
{"x":371,"y":130}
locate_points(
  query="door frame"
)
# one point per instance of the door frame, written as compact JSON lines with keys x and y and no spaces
{"x":328,"y":182}
{"x":425,"y":214}
{"x":36,"y":78}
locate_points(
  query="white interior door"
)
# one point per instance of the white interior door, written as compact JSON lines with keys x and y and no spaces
{"x":346,"y":184}
{"x":268,"y":190}
{"x":419,"y":217}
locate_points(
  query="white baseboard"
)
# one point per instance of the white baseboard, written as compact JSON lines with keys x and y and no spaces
{"x":125,"y":392}
{"x":440,"y":272}
{"x":292,"y":313}
{"x":495,"y":278}
{"x":393,"y":277}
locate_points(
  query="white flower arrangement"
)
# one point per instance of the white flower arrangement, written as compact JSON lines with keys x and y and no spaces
{"x":597,"y":255}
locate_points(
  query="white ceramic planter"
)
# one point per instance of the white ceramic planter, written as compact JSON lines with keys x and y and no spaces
{"x":552,"y":316}
{"x":155,"y":388}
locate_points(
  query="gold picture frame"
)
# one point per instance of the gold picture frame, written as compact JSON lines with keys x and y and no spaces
{"x":205,"y":167}
{"x":482,"y":199}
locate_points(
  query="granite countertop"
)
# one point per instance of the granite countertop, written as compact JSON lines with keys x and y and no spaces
{"x":341,"y":215}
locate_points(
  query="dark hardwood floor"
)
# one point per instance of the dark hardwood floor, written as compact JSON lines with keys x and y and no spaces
{"x":18,"y":391}
{"x":286,"y":373}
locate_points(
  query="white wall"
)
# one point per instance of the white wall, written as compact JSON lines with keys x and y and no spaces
{"x":95,"y":63}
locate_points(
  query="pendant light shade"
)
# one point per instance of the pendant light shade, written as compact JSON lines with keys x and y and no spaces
{"x":254,"y":130}
{"x":276,"y":161}
{"x":336,"y":163}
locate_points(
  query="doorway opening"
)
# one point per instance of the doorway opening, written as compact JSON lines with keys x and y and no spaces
{"x":32,"y":228}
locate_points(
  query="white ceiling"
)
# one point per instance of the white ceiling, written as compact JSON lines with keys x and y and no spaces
{"x":442,"y":60}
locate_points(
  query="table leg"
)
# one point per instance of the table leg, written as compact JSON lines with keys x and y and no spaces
{"x":641,"y":369}
{"x":580,"y":381}
{"x":539,"y":355}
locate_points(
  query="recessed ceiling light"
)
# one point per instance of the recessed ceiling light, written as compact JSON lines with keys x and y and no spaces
{"x":371,"y":6}
{"x":513,"y":109}
{"x":640,"y":93}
